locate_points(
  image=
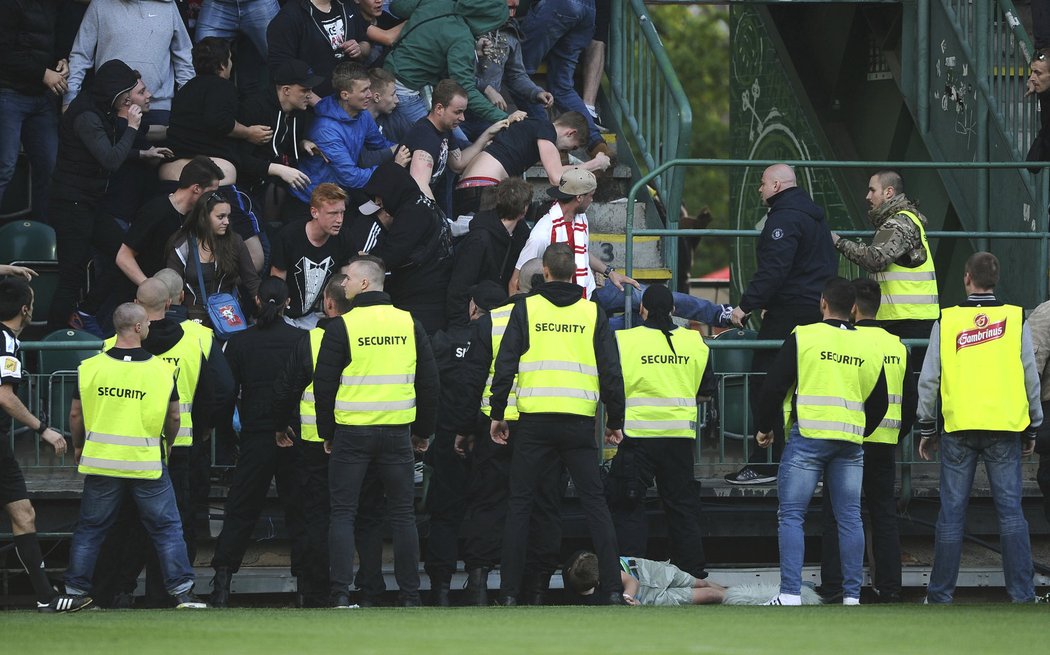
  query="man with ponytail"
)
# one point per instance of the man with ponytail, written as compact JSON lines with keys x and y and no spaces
{"x":666,"y":370}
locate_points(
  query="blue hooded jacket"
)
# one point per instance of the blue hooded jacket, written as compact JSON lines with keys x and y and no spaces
{"x":341,"y":139}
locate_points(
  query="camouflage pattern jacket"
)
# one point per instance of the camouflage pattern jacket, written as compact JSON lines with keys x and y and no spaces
{"x":896,"y":240}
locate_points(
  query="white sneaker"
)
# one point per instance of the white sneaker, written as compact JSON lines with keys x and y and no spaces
{"x":786,"y":600}
{"x":850,"y":601}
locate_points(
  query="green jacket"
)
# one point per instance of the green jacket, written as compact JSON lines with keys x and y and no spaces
{"x":443,"y":45}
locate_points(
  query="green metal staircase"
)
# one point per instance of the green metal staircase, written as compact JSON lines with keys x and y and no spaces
{"x":917,"y":80}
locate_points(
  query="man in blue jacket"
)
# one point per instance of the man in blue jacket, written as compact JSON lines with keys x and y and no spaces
{"x":343,"y":127}
{"x":795,"y":260}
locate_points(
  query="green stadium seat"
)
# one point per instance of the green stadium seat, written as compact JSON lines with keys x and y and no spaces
{"x":59,"y":368}
{"x":731,"y":364}
{"x":27,"y":241}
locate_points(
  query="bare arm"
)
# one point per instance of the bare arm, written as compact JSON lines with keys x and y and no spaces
{"x":130,"y":267}
{"x":172,"y":422}
{"x":13,"y":406}
{"x":420,"y":169}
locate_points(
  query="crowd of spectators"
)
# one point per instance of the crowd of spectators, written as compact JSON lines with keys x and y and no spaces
{"x":146,"y":123}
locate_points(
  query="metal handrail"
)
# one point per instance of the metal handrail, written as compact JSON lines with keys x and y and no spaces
{"x":649,"y":99}
{"x":1042,"y":233}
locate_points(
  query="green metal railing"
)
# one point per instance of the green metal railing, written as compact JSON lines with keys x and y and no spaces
{"x":649,"y":102}
{"x":1041,"y":233}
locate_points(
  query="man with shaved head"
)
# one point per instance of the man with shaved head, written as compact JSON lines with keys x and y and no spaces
{"x":205,"y":388}
{"x":795,"y":257}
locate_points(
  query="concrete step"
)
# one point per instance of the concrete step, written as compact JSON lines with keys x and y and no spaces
{"x":611,"y":217}
{"x":612,"y":184}
{"x":612,"y":250}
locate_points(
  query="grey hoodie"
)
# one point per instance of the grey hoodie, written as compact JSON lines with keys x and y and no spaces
{"x":147,"y":35}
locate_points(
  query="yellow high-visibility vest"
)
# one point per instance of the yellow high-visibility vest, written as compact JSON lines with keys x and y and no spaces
{"x":124,"y":404}
{"x":185,"y":356}
{"x":307,"y":404}
{"x":559,"y":372}
{"x":377,"y":387}
{"x":659,"y":384}
{"x":837,"y":370}
{"x":895,"y":364}
{"x":500,"y":318}
{"x":909,"y":293}
{"x":982,"y":378}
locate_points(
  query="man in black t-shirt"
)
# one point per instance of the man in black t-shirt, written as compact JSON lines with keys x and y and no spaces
{"x":514,"y":150}
{"x":308,"y":253}
{"x":16,"y":311}
{"x":143,"y":252}
{"x":429,"y":137}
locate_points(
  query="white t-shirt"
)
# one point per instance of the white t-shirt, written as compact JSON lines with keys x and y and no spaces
{"x":553,"y":228}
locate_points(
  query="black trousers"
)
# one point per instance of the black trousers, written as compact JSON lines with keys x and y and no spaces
{"x":879,"y":485}
{"x":487,"y":494}
{"x":670,"y":462}
{"x":538,"y":446}
{"x":446,"y":504}
{"x":128,"y":547}
{"x":777,"y":324}
{"x":259,"y":462}
{"x":316,"y":514}
{"x":80,"y":227}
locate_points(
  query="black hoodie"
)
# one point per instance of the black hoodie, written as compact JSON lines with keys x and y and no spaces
{"x":93,"y":141}
{"x":417,"y":247}
{"x":296,"y":32}
{"x":214,"y":394}
{"x":488,"y":252}
{"x":516,"y":342}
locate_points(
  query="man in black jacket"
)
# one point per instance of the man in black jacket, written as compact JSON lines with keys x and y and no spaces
{"x":796,"y":257}
{"x":282,"y":108}
{"x":563,"y":355}
{"x":415,"y":244}
{"x":353,"y":442}
{"x":292,"y":401}
{"x":96,"y":135}
{"x":32,"y":80}
{"x":491,"y":248}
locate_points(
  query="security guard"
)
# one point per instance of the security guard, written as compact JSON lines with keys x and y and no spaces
{"x":981,"y":361}
{"x":205,"y":387}
{"x":560,"y":347}
{"x":126,"y":403}
{"x":665,"y":370}
{"x":880,"y":462}
{"x":294,"y":397}
{"x":376,"y":388}
{"x":488,"y":489}
{"x":828,"y":383}
{"x":899,"y":259}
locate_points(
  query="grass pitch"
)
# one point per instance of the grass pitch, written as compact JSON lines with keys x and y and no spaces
{"x":901,"y":629}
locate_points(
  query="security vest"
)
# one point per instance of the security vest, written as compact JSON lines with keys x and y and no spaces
{"x":500,"y":318}
{"x":909,"y":293}
{"x":895,"y":364}
{"x":307,"y":406}
{"x":125,"y":404}
{"x":660,"y":381}
{"x":559,"y":372}
{"x":377,"y":387}
{"x":982,"y":378}
{"x":185,"y":356}
{"x":837,"y":370}
{"x":204,"y":332}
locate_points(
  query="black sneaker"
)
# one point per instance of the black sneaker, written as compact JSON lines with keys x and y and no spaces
{"x":342,"y":602}
{"x":64,"y":603}
{"x":748,"y":475}
{"x":187,"y":601}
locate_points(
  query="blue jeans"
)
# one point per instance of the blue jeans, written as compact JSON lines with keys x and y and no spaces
{"x":611,"y":299}
{"x":225,"y":18}
{"x":31,"y":121}
{"x":99,"y":507}
{"x":804,"y":461}
{"x":559,"y":31}
{"x":1001,"y":452}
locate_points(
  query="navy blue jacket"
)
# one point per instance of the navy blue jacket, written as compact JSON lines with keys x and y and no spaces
{"x":795,"y":255}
